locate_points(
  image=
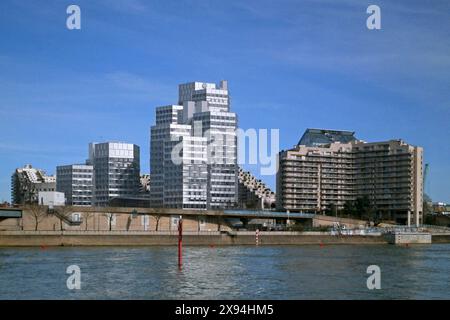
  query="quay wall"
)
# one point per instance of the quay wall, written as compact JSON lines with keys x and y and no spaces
{"x":440,"y":238}
{"x":50,"y":238}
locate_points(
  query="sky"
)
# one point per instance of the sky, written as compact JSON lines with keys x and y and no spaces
{"x":290,"y":65}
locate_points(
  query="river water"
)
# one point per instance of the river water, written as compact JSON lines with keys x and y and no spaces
{"x":239,"y":272}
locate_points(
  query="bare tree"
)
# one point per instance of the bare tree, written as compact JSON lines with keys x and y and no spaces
{"x":129,"y":222}
{"x":110,"y":217}
{"x":38,"y":213}
{"x":63,"y":213}
{"x":157,"y":218}
{"x":86,"y":216}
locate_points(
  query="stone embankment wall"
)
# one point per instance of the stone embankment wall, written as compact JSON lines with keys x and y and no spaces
{"x":114,"y":238}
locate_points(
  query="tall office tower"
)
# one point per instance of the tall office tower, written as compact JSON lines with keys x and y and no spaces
{"x":116,"y":171}
{"x":329,"y":168}
{"x":75,"y":181}
{"x":204,"y":131}
{"x":207,"y":107}
{"x":177,"y":163}
{"x":27,"y":182}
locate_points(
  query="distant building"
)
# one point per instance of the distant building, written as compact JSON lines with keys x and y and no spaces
{"x":145,"y":184}
{"x":441,"y":208}
{"x":27,"y":182}
{"x":130,"y":202}
{"x":253,"y":193}
{"x":51,"y":198}
{"x":75,"y":181}
{"x":329,"y":168}
{"x":140,"y":200}
{"x":116,"y":171}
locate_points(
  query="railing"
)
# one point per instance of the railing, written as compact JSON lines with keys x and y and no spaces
{"x":402,"y":229}
{"x":349,"y":232}
{"x":437,"y":229}
{"x":429,"y":226}
{"x":65,"y":218}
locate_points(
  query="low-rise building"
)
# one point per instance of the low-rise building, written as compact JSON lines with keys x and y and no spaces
{"x":51,"y":198}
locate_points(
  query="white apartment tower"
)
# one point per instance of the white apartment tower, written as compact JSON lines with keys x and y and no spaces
{"x":202,"y":132}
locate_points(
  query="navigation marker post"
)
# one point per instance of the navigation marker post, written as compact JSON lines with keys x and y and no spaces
{"x":180,"y":242}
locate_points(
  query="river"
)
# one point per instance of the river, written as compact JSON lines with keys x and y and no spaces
{"x":238,"y":272}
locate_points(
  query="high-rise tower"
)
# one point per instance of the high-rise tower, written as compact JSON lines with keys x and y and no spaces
{"x":203,"y":130}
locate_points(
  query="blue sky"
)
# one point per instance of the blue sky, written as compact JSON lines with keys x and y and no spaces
{"x":290,"y":65}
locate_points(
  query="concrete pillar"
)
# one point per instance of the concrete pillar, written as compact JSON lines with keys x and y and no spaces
{"x":417,"y":218}
{"x":409,"y":218}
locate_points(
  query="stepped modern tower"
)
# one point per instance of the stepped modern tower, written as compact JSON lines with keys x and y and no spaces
{"x":201,"y":132}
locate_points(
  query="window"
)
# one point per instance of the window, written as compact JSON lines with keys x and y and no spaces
{"x":174,"y":222}
{"x":76,"y":217}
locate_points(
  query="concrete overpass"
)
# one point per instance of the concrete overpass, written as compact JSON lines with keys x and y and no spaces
{"x":98,"y":218}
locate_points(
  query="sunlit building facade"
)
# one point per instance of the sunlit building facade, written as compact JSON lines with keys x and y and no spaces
{"x":327,"y":169}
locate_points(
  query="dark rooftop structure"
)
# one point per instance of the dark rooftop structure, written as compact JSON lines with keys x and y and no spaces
{"x":320,"y":137}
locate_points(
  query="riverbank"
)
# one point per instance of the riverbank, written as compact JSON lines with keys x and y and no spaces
{"x":151,"y":238}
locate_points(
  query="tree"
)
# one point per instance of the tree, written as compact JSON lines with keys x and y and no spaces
{"x":363,"y":207}
{"x":86,"y":216}
{"x":157,"y":218}
{"x":63,"y":213}
{"x":110,"y":217}
{"x":427,"y":210}
{"x":38,"y":212}
{"x":350,"y":208}
{"x":331,"y":210}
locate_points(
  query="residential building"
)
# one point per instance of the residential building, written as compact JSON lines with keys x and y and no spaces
{"x":329,"y":168}
{"x":144,"y":187}
{"x":116,"y":171}
{"x":254,"y":193}
{"x":27,"y":182}
{"x":75,"y":181}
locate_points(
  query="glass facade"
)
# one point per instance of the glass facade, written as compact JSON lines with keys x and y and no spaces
{"x":320,"y":137}
{"x":202,"y":125}
{"x":116,"y":171}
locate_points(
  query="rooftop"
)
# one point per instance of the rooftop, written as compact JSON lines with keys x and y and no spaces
{"x":319,"y":137}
